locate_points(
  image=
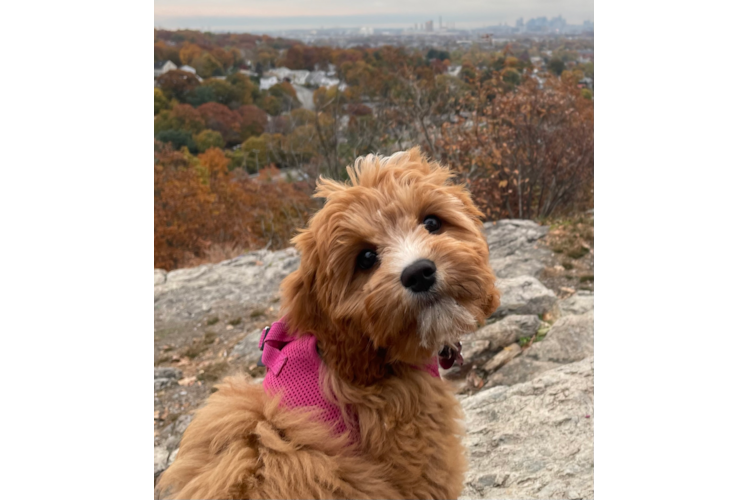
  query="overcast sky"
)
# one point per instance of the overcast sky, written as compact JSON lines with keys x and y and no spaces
{"x":269,"y":15}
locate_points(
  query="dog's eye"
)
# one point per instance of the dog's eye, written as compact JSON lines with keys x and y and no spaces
{"x":432,"y":223}
{"x":366,"y":259}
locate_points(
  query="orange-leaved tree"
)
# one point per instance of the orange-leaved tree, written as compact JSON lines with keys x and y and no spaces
{"x":199,"y":203}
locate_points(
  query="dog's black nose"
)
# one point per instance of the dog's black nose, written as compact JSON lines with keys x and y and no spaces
{"x":419,"y":276}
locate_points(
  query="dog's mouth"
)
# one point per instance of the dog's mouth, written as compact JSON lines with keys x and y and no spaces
{"x":442,"y":323}
{"x":450,"y":354}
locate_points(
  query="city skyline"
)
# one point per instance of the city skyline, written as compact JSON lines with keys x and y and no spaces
{"x":266,"y":15}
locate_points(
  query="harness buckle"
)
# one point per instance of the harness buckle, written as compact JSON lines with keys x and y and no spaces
{"x":263,"y":336}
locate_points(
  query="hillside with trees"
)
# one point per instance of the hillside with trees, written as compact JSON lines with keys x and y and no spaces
{"x":237,"y":153}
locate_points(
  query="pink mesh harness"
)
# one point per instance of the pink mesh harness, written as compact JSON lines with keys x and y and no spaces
{"x":293,"y":366}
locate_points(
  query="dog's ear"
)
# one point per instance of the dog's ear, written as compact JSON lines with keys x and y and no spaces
{"x":299,"y":304}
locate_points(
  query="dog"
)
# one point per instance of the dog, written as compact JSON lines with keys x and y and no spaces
{"x":393,"y":268}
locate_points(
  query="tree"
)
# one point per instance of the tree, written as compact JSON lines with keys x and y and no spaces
{"x":526,"y":153}
{"x":224,"y":57}
{"x":220,"y":118}
{"x":329,"y":104}
{"x":180,"y":117}
{"x":163,"y":52}
{"x":201,"y":95}
{"x":247,"y":91}
{"x":253,"y":121}
{"x":199,"y":203}
{"x":207,"y":65}
{"x":285,"y":92}
{"x":159,"y":101}
{"x":270,"y":104}
{"x":306,"y":57}
{"x":189,"y":53}
{"x":178,"y":139}
{"x":511,"y":76}
{"x":256,"y":153}
{"x":209,"y":139}
{"x":441,"y":55}
{"x":556,"y":65}
{"x":224,"y":92}
{"x":215,"y":162}
{"x":511,"y":62}
{"x":177,"y":84}
{"x":301,"y":116}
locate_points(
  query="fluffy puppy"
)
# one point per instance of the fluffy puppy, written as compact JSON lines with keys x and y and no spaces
{"x":393,"y":268}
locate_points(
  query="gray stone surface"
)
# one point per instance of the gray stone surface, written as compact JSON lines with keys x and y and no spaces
{"x":248,"y":351}
{"x":581,"y":302}
{"x":520,"y":369}
{"x":513,"y":247}
{"x":528,"y":437}
{"x":167,"y":372}
{"x":503,"y":357}
{"x":253,"y":279}
{"x":569,"y":339}
{"x":175,"y":430}
{"x":507,"y":331}
{"x":162,"y":383}
{"x":164,"y":377}
{"x":524,"y":295}
{"x":474,"y":348}
{"x":162,"y":458}
{"x":512,"y":236}
{"x":159,"y":277}
{"x":535,"y":439}
{"x":249,"y":280}
{"x":517,"y":265}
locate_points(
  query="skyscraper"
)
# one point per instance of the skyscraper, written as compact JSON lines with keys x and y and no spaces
{"x":429,"y":26}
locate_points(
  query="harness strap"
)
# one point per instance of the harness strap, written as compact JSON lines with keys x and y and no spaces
{"x":272,"y":341}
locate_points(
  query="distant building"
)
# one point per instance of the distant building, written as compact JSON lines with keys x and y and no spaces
{"x":188,"y":69}
{"x":585,"y":56}
{"x":557,"y":23}
{"x":161,"y":67}
{"x":267,"y":82}
{"x":323,"y":79}
{"x":429,"y":26}
{"x":295,"y":76}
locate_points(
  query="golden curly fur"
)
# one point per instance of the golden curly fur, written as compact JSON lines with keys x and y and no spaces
{"x":371,"y":332}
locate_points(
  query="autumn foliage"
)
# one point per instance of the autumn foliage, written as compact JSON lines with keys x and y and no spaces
{"x":528,"y":153}
{"x":520,"y":138}
{"x":199,"y":204}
